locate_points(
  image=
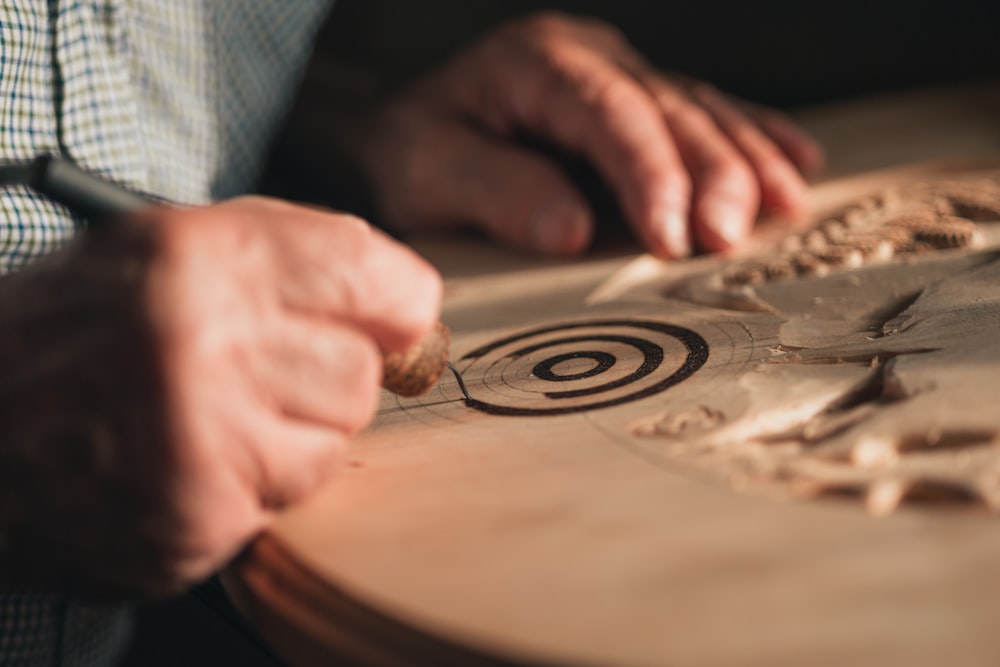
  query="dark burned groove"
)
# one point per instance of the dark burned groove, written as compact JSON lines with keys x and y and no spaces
{"x":652,"y":357}
{"x":894,"y":311}
{"x":936,"y":492}
{"x":697,"y":355}
{"x":875,"y":389}
{"x":869,"y":390}
{"x":948,"y":440}
{"x":459,"y":380}
{"x":545,"y":370}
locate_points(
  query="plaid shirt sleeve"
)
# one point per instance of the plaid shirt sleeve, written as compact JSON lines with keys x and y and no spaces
{"x":177,"y":98}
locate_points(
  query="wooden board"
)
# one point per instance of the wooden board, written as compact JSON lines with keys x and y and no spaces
{"x":685,"y":464}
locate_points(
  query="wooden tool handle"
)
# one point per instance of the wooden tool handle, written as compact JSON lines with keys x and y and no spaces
{"x":415,"y":371}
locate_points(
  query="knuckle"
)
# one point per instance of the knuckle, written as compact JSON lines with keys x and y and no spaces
{"x":758,"y":148}
{"x":615,"y":98}
{"x":769,"y":156}
{"x":745,"y":133}
{"x":348,"y":235}
{"x":186,"y":236}
{"x":530,"y":40}
{"x":353,"y":225}
{"x":695,"y":118}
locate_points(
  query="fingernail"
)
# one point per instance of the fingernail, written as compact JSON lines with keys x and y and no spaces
{"x":725,"y":219}
{"x":560,"y":226}
{"x":670,"y":224}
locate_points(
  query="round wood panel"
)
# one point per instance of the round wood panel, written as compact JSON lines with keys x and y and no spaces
{"x":657,"y":466}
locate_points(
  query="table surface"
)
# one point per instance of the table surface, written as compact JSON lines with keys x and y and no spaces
{"x":678,"y":520}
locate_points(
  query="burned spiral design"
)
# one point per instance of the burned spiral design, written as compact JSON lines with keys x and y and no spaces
{"x":580,"y":366}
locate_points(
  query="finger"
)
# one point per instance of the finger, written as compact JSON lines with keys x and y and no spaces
{"x":281,"y":403}
{"x":318,"y":385}
{"x":392,"y":293}
{"x":296,"y":459}
{"x":320,"y":372}
{"x":782,"y":188}
{"x":726,"y":196}
{"x":804,"y":150}
{"x":339,"y":267}
{"x":511,"y":192}
{"x":574,"y":96}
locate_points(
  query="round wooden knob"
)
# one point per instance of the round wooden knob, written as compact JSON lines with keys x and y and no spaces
{"x":415,"y":371}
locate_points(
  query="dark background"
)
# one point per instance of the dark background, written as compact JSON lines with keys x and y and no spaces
{"x":784,"y":52}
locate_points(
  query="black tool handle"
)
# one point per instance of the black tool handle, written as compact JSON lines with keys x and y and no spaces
{"x":83,"y":193}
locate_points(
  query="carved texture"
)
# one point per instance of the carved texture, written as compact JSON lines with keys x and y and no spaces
{"x":897,"y":222}
{"x":917,"y":424}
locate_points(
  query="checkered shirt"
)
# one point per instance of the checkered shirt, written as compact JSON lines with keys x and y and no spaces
{"x":177,"y":98}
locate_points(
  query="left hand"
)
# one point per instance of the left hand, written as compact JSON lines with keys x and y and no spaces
{"x":172,"y":379}
{"x":690,"y":166}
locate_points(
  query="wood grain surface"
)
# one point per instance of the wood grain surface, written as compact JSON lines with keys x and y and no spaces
{"x":665,"y":466}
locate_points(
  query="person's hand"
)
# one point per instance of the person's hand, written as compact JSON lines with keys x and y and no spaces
{"x":690,"y":167}
{"x":171,"y":380}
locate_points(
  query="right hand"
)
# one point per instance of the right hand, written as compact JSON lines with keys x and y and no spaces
{"x":690,"y":166}
{"x":171,"y":380}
